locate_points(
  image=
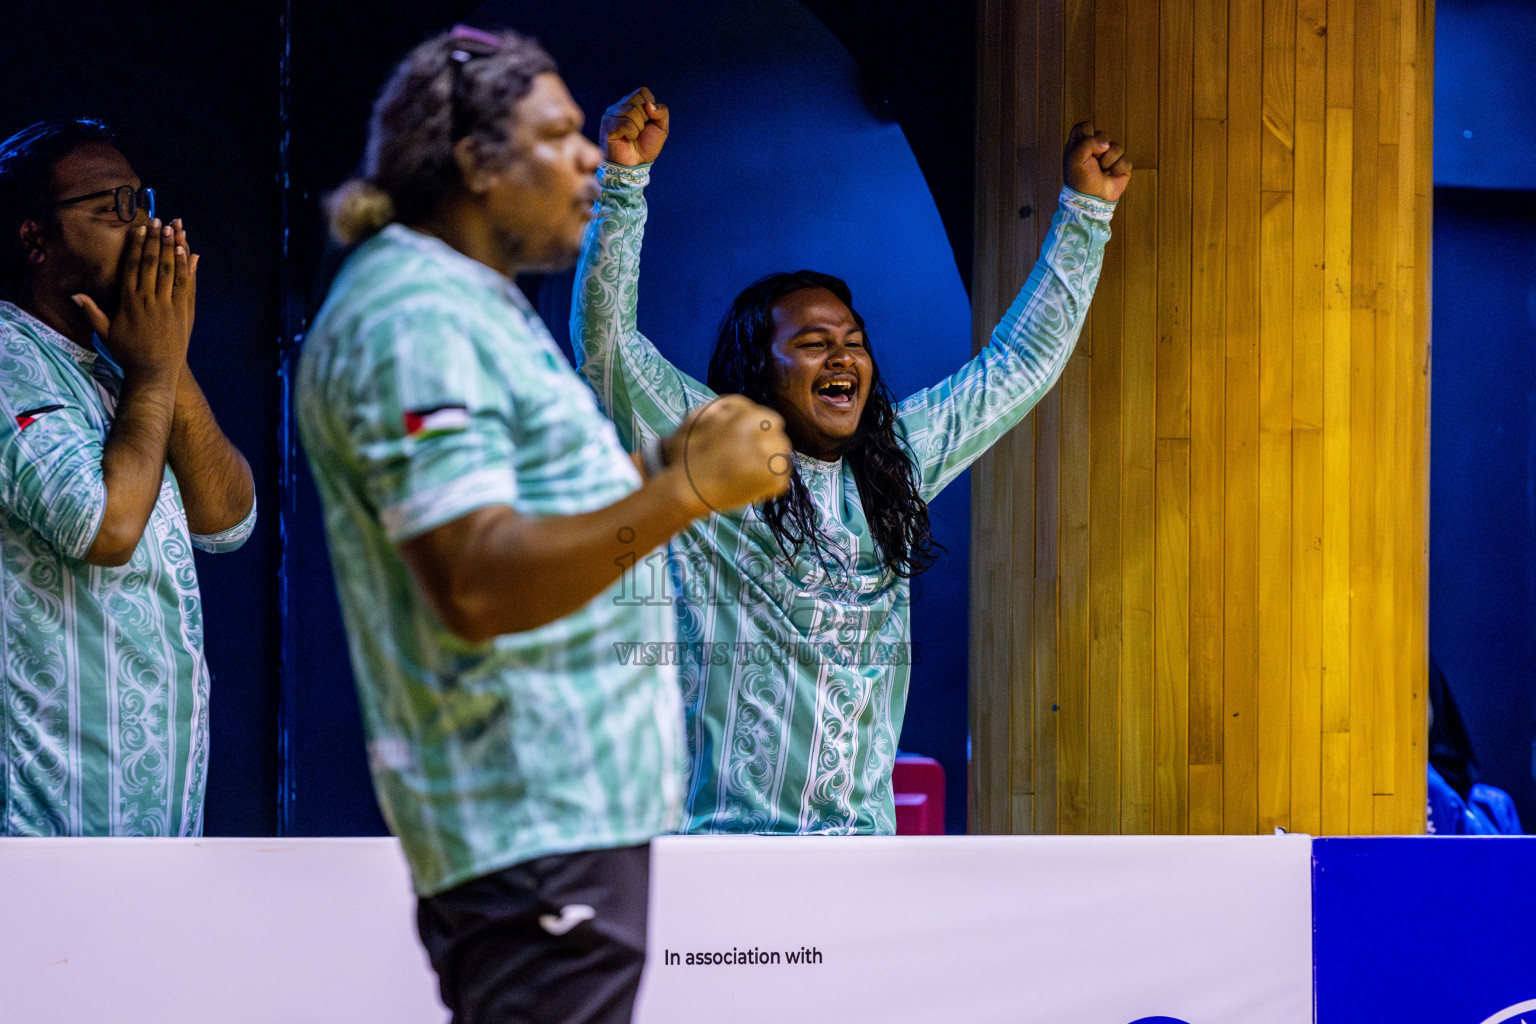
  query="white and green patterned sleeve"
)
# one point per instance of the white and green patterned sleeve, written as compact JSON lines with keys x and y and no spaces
{"x":644,"y":394}
{"x":950,"y":425}
{"x":50,"y":456}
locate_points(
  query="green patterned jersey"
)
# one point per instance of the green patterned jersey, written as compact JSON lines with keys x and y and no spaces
{"x":103,"y":686}
{"x":428,"y":388}
{"x":794,"y":670}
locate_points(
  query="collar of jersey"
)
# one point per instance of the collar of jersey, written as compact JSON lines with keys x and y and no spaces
{"x":436,"y":248}
{"x":85,"y":357}
{"x":810,"y":464}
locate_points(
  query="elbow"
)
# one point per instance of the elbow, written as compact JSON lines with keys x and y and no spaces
{"x":466,"y":613}
{"x":477,"y":615}
{"x":464,"y":582}
{"x":226,"y":532}
{"x":108,"y":559}
{"x":113,"y":547}
{"x":470,"y":630}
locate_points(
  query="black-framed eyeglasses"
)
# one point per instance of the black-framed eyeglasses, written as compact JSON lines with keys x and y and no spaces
{"x":468,"y":44}
{"x":127,"y":199}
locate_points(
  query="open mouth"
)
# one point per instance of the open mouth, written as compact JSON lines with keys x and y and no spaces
{"x":839,"y":392}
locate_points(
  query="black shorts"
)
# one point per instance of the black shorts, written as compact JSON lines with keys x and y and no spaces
{"x":558,"y":940}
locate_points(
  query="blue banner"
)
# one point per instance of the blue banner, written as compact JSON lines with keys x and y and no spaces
{"x":1435,"y":930}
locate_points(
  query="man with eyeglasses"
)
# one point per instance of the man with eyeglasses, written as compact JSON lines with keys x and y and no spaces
{"x":112,"y":468}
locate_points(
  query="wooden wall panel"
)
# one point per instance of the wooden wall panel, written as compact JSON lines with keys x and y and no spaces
{"x":1200,"y":566}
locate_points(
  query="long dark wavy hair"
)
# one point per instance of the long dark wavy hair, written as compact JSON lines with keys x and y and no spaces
{"x":897,"y":514}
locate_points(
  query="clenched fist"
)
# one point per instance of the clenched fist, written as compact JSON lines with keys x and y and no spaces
{"x":1093,"y":165}
{"x":634,"y":129}
{"x":733,"y":452}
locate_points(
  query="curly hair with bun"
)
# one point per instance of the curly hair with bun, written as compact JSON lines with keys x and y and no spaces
{"x":460,"y":84}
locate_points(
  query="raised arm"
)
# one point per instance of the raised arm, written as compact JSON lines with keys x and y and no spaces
{"x":950,"y":425}
{"x":644,"y":394}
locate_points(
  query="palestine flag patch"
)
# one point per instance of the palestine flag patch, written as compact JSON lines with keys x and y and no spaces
{"x":26,"y":419}
{"x":441,"y":420}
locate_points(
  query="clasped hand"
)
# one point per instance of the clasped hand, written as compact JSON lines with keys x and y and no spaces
{"x":157,"y":291}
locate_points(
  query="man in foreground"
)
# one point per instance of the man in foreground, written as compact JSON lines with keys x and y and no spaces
{"x":480,"y":511}
{"x":112,"y":468}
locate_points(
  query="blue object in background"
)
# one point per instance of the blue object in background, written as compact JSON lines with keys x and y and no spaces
{"x":1423,"y":930}
{"x":1488,"y":811}
{"x":1498,"y":808}
{"x":1482,"y":542}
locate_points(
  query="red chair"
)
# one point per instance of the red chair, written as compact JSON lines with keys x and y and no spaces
{"x":918,"y":785}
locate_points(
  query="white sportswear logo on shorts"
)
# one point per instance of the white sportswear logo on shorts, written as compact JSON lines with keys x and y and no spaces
{"x":570,"y":916}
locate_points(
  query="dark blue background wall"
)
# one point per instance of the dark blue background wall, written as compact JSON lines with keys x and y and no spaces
{"x":1483,"y":382}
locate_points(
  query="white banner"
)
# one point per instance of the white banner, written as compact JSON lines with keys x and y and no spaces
{"x":1022,"y":930}
{"x":212,"y":931}
{"x":1013,"y":930}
